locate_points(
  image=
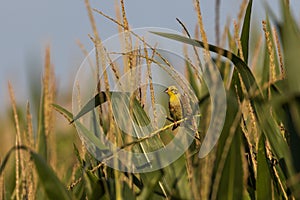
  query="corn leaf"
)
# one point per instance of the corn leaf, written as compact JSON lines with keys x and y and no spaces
{"x":246,"y":32}
{"x":264,"y":182}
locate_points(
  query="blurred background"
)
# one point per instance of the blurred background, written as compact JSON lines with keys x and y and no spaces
{"x":28,"y":26}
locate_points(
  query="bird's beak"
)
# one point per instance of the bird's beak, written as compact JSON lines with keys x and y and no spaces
{"x":166,"y":90}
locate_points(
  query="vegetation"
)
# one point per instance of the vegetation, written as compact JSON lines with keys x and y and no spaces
{"x":256,"y":156}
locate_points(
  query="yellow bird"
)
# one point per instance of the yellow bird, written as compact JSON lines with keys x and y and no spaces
{"x":175,"y":107}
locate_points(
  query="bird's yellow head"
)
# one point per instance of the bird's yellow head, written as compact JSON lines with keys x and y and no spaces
{"x":172,"y":90}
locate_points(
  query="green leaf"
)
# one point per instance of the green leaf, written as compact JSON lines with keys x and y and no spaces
{"x":120,"y":103}
{"x":177,"y":181}
{"x":42,"y":138}
{"x":272,"y":132}
{"x":246,"y":32}
{"x":264,"y":182}
{"x":240,"y":65}
{"x":52,"y":186}
{"x":231,"y":186}
{"x":150,"y":181}
{"x":76,"y":151}
{"x":127,"y":192}
{"x":68,"y":115}
{"x":91,"y":104}
{"x":192,"y":79}
{"x":94,"y":187}
{"x":291,"y":44}
{"x":88,"y":135}
{"x":139,"y":116}
{"x":79,"y":190}
{"x":229,"y":157}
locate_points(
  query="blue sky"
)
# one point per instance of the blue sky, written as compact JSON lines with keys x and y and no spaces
{"x":27,"y":26}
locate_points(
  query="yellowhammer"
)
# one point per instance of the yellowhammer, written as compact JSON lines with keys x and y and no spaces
{"x":175,"y":107}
